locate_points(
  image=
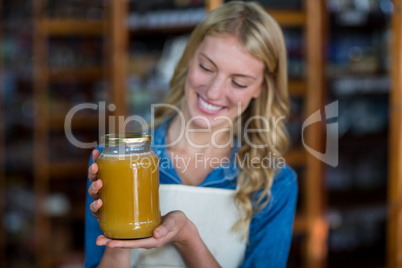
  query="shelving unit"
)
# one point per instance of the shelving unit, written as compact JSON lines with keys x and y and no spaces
{"x":359,"y":80}
{"x":310,"y":221}
{"x":2,"y":155}
{"x":310,"y":225}
{"x":118,"y":63}
{"x":315,"y":199}
{"x":15,"y":136}
{"x":394,"y":231}
{"x":47,"y":170}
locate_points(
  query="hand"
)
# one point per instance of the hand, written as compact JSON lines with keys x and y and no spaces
{"x":175,"y":227}
{"x":95,"y":186}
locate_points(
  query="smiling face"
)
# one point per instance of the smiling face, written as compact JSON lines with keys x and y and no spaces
{"x":222,"y":75}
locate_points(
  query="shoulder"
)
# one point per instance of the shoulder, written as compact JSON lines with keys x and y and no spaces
{"x":285,"y":176}
{"x":284,"y":184}
{"x":284,"y":190}
{"x":159,"y":133}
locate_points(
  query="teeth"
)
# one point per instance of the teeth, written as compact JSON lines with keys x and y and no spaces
{"x":208,"y":106}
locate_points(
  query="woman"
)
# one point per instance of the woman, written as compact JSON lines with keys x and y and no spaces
{"x":231,"y":88}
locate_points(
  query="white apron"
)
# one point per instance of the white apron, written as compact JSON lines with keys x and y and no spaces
{"x":213,"y":211}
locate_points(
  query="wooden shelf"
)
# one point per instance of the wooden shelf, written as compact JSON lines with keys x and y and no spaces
{"x":299,"y":225}
{"x":81,"y":74}
{"x":79,"y":122}
{"x":70,"y":27}
{"x":48,"y":119}
{"x":3,"y":181}
{"x":286,"y":18}
{"x":394,"y":225}
{"x":297,"y":88}
{"x":162,"y":30}
{"x":67,"y":169}
{"x":296,"y":157}
{"x":289,"y":18}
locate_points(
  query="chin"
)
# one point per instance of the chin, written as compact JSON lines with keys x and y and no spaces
{"x":199,"y":120}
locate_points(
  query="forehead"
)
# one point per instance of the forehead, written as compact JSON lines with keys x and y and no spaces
{"x":226,"y":50}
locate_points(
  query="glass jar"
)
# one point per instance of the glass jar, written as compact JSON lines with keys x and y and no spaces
{"x":129,"y":171}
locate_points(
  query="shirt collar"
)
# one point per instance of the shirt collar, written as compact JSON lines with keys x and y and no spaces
{"x":225,"y":172}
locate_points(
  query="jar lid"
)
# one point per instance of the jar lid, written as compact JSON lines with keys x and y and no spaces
{"x":113,"y":139}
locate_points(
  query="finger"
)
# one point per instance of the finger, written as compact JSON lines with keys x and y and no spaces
{"x":146,"y":243}
{"x":94,"y":188}
{"x":92,"y":171}
{"x":95,"y":154}
{"x":168,"y":225}
{"x":162,"y":235}
{"x":95,"y":206}
{"x":171,"y":224}
{"x":102,"y":240}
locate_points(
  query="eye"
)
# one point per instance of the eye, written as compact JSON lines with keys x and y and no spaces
{"x":205,"y":68}
{"x":239,"y":85}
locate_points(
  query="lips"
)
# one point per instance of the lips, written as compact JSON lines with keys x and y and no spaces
{"x":207,"y":107}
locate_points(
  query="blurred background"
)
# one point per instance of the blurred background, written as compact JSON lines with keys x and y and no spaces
{"x":57,"y":54}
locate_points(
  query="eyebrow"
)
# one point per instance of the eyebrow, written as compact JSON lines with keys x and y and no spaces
{"x":213,"y":63}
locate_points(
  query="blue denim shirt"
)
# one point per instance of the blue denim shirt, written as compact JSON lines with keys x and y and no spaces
{"x":270,"y":232}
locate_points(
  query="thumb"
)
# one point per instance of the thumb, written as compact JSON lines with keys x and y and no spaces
{"x":169,"y":224}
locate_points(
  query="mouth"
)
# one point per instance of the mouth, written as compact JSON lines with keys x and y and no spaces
{"x":208,"y":107}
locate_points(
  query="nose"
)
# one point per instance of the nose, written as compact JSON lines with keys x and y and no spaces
{"x":216,"y":88}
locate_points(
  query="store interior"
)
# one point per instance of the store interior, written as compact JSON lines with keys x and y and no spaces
{"x":115,"y":58}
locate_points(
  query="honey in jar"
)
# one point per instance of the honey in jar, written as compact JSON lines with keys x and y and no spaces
{"x":129,"y":172}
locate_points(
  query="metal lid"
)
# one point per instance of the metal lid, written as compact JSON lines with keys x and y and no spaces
{"x":113,"y":139}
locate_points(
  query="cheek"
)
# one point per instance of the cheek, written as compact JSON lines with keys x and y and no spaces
{"x":244,"y":98}
{"x":189,"y":83}
{"x":196,"y":80}
{"x":192,"y":80}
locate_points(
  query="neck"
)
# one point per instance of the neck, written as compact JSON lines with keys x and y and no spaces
{"x":191,"y":139}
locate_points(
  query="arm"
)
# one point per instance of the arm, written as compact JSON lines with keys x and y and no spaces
{"x":193,"y":251}
{"x":271,"y":229}
{"x":115,"y":257}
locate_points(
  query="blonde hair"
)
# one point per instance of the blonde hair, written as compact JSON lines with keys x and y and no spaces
{"x":262,"y":37}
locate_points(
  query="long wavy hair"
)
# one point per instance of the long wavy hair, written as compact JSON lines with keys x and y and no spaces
{"x":262,"y":37}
